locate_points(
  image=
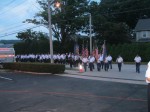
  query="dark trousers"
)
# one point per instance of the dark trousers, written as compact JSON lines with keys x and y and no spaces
{"x":98,"y":66}
{"x":110,"y":64}
{"x":85,"y":66}
{"x":71,"y":63}
{"x":148,"y":97}
{"x":91,"y":66}
{"x":102,"y":64}
{"x":106,"y":66}
{"x":138,"y":67}
{"x":119,"y":66}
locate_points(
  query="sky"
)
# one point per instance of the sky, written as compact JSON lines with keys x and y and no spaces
{"x":12,"y":15}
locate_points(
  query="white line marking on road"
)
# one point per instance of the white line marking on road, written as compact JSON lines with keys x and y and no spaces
{"x":5,"y":78}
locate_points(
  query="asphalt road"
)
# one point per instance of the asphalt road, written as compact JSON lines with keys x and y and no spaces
{"x":24,"y":92}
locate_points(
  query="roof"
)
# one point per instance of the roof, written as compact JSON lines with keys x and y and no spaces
{"x":142,"y":25}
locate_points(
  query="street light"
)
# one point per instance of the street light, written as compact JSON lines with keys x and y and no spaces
{"x":90,"y":28}
{"x":50,"y":28}
{"x":90,"y":23}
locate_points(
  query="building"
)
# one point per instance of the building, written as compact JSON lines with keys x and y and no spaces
{"x":142,"y":30}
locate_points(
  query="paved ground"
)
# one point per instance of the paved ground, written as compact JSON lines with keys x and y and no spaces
{"x":110,"y":91}
{"x":127,"y":75}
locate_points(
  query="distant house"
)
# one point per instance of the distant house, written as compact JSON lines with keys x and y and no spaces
{"x":142,"y":30}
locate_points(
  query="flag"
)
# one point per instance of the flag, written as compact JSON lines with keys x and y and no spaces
{"x":83,"y":51}
{"x":76,"y":49}
{"x":86,"y":52}
{"x":93,"y":52}
{"x":96,"y":53}
{"x":104,"y":51}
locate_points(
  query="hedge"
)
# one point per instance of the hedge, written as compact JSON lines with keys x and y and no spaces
{"x":129,"y":51}
{"x":36,"y":67}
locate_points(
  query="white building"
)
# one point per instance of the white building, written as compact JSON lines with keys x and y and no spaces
{"x":142,"y":30}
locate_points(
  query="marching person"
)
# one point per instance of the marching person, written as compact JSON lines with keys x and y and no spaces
{"x":71,"y":60}
{"x":101,"y":61}
{"x":109,"y":61}
{"x":98,"y":64}
{"x":106,"y":65}
{"x":137,"y":60}
{"x":91,"y":62}
{"x":85,"y":61}
{"x":119,"y":60}
{"x":147,"y":75}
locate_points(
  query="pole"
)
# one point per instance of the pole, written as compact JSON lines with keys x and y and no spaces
{"x":50,"y":32}
{"x":90,"y":23}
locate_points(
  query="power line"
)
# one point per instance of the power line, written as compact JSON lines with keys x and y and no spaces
{"x":15,"y":32}
{"x":5,"y":11}
{"x":9,"y":3}
{"x":129,"y":11}
{"x":12,"y":27}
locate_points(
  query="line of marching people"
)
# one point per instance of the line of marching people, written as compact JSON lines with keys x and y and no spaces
{"x":65,"y":58}
{"x":102,"y":62}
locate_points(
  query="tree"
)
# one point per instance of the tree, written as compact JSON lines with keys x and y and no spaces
{"x":66,"y":21}
{"x":127,"y":11}
{"x":33,"y":42}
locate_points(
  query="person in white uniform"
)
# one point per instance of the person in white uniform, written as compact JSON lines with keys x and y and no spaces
{"x":137,"y":60}
{"x":119,"y":60}
{"x":85,"y":61}
{"x":91,"y":62}
{"x":147,"y":75}
{"x":109,"y":61}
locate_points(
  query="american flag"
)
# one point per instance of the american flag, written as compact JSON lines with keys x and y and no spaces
{"x":86,"y":52}
{"x":96,"y":53}
{"x":76,"y":49}
{"x":104,"y":51}
{"x":83,"y":51}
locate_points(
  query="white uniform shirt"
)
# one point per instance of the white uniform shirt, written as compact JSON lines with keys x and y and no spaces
{"x":91,"y":59}
{"x":147,"y":74}
{"x":106,"y":60}
{"x":84,"y":60}
{"x":101,"y":58}
{"x":119,"y":60}
{"x":109,"y":58}
{"x":137,"y":59}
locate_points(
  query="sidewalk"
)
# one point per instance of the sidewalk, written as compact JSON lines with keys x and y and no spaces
{"x":127,"y":75}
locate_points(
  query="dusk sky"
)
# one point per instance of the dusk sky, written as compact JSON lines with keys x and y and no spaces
{"x":12,"y":15}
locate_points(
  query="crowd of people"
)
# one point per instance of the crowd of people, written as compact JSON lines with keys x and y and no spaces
{"x":102,"y":61}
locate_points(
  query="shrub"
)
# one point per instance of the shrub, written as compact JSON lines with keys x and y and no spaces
{"x":36,"y":67}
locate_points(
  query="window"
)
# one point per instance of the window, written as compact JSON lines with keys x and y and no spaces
{"x":144,"y":34}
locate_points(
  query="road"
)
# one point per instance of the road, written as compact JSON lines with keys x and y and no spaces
{"x":28,"y":92}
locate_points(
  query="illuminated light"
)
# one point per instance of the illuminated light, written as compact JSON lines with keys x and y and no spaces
{"x":4,"y":49}
{"x":11,"y":55}
{"x":57,"y":4}
{"x":80,"y":68}
{"x":5,"y":56}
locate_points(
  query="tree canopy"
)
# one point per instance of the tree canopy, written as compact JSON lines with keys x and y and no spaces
{"x":112,"y":20}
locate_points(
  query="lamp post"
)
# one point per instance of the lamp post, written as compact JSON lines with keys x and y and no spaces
{"x":90,"y":29}
{"x":90,"y":35}
{"x":50,"y":31}
{"x":50,"y":28}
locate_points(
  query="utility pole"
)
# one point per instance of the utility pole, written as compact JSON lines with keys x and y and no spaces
{"x":50,"y":32}
{"x":90,"y":23}
{"x":57,"y":4}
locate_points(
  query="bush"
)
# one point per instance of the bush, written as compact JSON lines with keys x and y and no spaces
{"x":36,"y":67}
{"x":129,"y":51}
